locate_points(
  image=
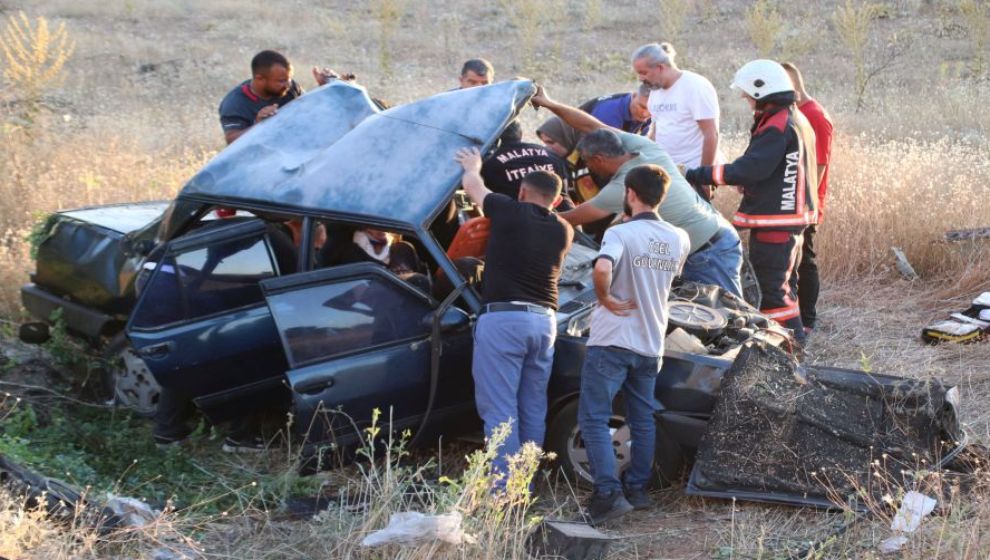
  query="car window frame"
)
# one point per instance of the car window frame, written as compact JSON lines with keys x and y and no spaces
{"x":200,"y":240}
{"x":341,"y":273}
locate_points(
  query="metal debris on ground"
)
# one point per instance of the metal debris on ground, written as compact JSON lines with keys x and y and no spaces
{"x":820,"y":437}
{"x":568,"y":540}
{"x":903,"y":265}
{"x":970,"y":325}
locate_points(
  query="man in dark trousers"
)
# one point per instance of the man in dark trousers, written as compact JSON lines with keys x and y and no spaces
{"x":257,"y":99}
{"x":503,"y":172}
{"x":778,"y":177}
{"x":635,"y":267}
{"x":516,"y":330}
{"x":821,"y":123}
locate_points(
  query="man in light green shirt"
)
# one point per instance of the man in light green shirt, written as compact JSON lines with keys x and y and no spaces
{"x":716,"y":253}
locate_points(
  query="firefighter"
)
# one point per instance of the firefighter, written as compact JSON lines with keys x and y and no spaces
{"x":778,"y":178}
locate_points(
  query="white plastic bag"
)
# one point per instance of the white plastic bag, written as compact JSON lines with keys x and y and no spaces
{"x":131,"y":511}
{"x":914,"y":507}
{"x":410,"y":527}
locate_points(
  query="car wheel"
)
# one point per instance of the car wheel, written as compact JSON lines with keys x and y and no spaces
{"x":564,"y":439}
{"x":128,"y":380}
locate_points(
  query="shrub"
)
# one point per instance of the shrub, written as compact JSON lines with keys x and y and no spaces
{"x":764,"y":25}
{"x":976,"y":19}
{"x":34,"y":56}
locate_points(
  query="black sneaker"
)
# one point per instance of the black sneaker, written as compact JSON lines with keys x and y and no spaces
{"x":249,"y":445}
{"x":639,"y":498}
{"x":607,"y":506}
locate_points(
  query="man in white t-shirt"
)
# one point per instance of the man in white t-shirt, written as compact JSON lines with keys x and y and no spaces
{"x":683,"y":105}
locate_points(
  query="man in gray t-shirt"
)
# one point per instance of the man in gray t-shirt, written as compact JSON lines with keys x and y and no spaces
{"x":716,"y":252}
{"x":636,"y":266}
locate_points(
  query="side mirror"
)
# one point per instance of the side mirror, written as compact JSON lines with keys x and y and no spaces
{"x":452,"y":319}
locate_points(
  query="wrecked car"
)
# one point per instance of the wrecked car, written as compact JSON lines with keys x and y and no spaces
{"x":246,"y":310}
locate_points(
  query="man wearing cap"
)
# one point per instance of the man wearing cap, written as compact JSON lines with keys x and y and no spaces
{"x":716,"y":255}
{"x":516,"y":330}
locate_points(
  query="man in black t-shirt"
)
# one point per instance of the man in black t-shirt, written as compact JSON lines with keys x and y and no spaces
{"x":503,"y":172}
{"x":516,"y":331}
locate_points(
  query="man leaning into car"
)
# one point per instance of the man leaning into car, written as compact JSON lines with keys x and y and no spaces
{"x":516,"y":330}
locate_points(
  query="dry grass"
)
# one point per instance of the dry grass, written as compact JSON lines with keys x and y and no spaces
{"x":136,"y":116}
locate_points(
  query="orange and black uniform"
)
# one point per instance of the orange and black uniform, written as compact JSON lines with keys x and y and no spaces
{"x":778,"y":178}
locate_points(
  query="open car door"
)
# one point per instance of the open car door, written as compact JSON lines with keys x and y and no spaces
{"x":358,"y":339}
{"x":201,"y":325}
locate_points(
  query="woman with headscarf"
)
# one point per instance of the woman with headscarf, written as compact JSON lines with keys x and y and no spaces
{"x":562,"y":140}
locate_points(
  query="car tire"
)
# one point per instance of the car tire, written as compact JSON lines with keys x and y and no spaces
{"x":34,"y":333}
{"x":564,"y":440}
{"x":127,"y":380}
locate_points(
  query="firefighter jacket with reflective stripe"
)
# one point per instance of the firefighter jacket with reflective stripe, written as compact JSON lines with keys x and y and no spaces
{"x":778,"y":174}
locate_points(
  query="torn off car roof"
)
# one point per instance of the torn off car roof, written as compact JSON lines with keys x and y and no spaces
{"x":331,"y":153}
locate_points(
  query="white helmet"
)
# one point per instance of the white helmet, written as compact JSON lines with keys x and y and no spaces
{"x":760,"y":78}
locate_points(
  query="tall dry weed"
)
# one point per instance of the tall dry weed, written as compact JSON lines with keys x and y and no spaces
{"x":533,"y":22}
{"x":33,"y":56}
{"x":764,"y":24}
{"x":976,"y":19}
{"x":387,"y":13}
{"x":673,"y":15}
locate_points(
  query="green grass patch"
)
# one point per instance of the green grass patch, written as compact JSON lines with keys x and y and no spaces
{"x":109,"y":450}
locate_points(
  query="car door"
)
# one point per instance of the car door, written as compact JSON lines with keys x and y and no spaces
{"x":201,"y":324}
{"x":358,"y":339}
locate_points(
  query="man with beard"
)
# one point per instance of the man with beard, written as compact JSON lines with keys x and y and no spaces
{"x":270,"y":88}
{"x":633,"y":274}
{"x":716,"y":253}
{"x":684,"y":108}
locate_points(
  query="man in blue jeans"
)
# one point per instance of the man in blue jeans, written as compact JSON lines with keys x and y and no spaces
{"x":636,"y":265}
{"x":517,"y":327}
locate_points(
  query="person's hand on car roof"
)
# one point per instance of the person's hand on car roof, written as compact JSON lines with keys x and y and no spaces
{"x":541,"y":99}
{"x":470,"y":159}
